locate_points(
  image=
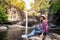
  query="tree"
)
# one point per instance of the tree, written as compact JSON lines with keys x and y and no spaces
{"x":40,"y":4}
{"x":55,"y":10}
{"x":55,"y":5}
{"x":3,"y":15}
{"x":19,"y":4}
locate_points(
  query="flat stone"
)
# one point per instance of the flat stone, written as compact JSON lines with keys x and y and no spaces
{"x":52,"y":36}
{"x":35,"y":38}
{"x":47,"y":37}
{"x":56,"y":35}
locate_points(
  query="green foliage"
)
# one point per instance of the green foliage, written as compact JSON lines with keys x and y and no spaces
{"x":3,"y":15}
{"x":40,"y":4}
{"x":19,"y":4}
{"x":33,"y":14}
{"x":55,"y":5}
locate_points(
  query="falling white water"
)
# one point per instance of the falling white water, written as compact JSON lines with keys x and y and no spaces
{"x":28,"y":3}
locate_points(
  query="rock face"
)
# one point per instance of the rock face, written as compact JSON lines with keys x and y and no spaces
{"x":15,"y":14}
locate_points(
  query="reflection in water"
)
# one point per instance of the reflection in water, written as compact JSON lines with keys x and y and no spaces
{"x":11,"y":34}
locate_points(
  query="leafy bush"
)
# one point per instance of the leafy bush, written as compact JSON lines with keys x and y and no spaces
{"x":55,"y":6}
{"x":3,"y":15}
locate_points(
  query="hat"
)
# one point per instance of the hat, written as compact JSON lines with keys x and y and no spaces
{"x":43,"y":16}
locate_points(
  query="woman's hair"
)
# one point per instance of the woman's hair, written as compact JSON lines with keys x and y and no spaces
{"x":43,"y":17}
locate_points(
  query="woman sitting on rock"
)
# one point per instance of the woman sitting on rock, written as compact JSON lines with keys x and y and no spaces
{"x":40,"y":28}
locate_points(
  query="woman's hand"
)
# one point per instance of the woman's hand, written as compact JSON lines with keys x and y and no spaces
{"x":42,"y":35}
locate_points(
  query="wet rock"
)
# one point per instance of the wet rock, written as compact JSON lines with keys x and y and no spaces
{"x":2,"y":28}
{"x":15,"y":26}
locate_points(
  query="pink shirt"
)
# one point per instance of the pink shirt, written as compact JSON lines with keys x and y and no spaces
{"x":45,"y":26}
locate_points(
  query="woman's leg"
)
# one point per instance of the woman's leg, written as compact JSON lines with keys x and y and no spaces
{"x":29,"y":35}
{"x":32,"y":33}
{"x":39,"y":32}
